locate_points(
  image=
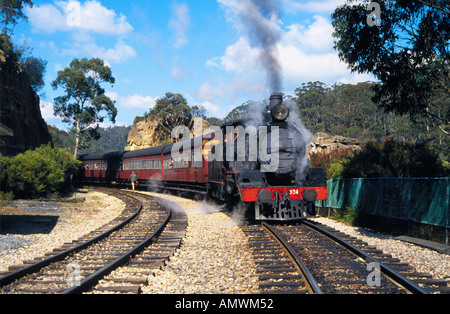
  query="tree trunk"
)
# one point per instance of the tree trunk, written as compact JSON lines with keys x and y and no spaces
{"x":77,"y":142}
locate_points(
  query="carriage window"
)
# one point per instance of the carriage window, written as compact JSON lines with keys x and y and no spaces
{"x":181,"y":164}
{"x":141,"y":164}
{"x":168,"y":163}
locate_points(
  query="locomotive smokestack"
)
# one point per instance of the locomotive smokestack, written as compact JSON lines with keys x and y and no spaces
{"x":276,"y":99}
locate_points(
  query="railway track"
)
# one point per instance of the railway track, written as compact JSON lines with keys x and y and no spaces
{"x":134,"y":238}
{"x":280,"y":270}
{"x":313,"y":258}
{"x":340,"y":264}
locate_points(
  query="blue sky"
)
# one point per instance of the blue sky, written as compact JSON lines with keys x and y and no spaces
{"x":200,"y":49}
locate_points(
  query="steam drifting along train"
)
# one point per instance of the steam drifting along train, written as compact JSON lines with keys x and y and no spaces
{"x":259,"y":163}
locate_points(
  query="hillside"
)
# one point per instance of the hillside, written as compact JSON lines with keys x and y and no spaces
{"x":112,"y":139}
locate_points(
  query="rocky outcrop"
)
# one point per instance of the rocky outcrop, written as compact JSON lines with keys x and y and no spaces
{"x":323,"y":142}
{"x":19,"y":110}
{"x":142,"y":134}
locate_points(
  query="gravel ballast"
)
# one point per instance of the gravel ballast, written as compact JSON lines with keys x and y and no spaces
{"x":11,"y":243}
{"x":422,"y":259}
{"x":214,"y":259}
{"x":73,"y":221}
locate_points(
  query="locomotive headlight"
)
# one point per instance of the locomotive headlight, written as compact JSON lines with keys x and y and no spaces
{"x":264,"y":196}
{"x":280,"y":112}
{"x":310,"y":195}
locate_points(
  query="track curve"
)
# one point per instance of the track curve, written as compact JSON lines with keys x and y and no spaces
{"x":77,"y":267}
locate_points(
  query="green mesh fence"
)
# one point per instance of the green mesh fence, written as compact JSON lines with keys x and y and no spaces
{"x":418,"y":200}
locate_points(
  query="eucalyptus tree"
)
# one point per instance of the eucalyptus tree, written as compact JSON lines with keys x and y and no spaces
{"x":406,"y":45}
{"x":84,"y":104}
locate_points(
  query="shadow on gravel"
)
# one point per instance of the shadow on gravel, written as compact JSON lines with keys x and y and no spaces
{"x":27,"y":224}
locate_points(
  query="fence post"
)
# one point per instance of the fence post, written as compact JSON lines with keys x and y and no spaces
{"x":448,"y":210}
{"x":381,"y":202}
{"x":409,"y":206}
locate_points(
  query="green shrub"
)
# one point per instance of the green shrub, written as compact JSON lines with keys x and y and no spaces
{"x":393,"y":159}
{"x":38,"y":173}
{"x":347,"y":216}
{"x":336,"y":169}
{"x":6,"y":198}
{"x":333,"y":162}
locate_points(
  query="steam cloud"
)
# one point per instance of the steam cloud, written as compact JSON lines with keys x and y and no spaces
{"x":260,"y":19}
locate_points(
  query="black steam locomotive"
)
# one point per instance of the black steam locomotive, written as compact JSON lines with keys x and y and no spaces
{"x":260,"y":163}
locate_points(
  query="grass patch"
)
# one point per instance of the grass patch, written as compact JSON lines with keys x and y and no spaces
{"x":347,"y":216}
{"x":6,"y":199}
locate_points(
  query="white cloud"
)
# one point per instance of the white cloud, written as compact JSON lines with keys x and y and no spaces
{"x":74,"y":15}
{"x":120,"y":53}
{"x":113,"y":95}
{"x":300,"y":66}
{"x":47,"y":110}
{"x":209,"y":97}
{"x":47,"y":18}
{"x":85,"y":22}
{"x":180,"y":23}
{"x":316,"y":37}
{"x":316,"y":6}
{"x":133,"y":102}
{"x":213,"y":108}
{"x":207,"y":92}
{"x":242,"y":61}
{"x":137,"y":101}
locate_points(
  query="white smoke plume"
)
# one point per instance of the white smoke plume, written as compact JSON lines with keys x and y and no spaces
{"x":296,"y":124}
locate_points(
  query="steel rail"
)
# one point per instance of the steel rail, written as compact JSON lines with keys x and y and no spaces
{"x":311,"y":282}
{"x":389,"y":272}
{"x":8,"y":279}
{"x":92,"y":280}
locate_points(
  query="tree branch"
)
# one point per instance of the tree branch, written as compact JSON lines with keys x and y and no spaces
{"x":437,"y":117}
{"x":443,"y":131}
{"x":434,"y":6}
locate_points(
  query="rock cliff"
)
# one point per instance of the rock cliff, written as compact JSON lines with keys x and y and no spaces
{"x":323,"y":142}
{"x":142,"y":135}
{"x":19,"y":110}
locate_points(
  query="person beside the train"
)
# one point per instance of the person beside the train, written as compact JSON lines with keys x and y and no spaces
{"x":133,"y":179}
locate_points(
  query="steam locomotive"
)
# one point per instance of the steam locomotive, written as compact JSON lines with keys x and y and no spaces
{"x":259,"y":164}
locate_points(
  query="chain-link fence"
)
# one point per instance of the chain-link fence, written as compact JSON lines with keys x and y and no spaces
{"x":424,"y":201}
